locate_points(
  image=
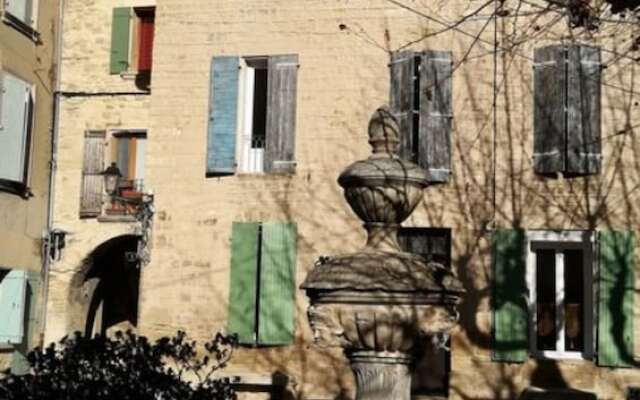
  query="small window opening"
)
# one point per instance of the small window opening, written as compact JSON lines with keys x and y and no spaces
{"x":416,"y":109}
{"x":253,"y":108}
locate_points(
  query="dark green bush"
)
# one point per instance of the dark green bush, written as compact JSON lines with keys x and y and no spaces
{"x":124,"y":367}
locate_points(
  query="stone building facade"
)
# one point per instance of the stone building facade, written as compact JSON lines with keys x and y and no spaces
{"x":27,"y":75}
{"x":239,"y":130}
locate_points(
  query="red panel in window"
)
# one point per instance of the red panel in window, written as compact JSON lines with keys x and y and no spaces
{"x":145,"y":54}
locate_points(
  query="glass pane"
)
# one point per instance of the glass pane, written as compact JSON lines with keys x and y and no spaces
{"x":574,"y":300}
{"x":546,"y":299}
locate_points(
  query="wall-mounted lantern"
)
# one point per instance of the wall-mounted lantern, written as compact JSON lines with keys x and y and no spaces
{"x":112,"y":177}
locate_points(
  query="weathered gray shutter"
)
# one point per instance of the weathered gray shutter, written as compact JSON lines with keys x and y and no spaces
{"x":92,"y":179}
{"x":616,"y":291}
{"x":223,"y":110}
{"x":276,"y":323}
{"x":583,"y":110}
{"x":549,"y":86}
{"x":401,"y":100}
{"x":281,"y":114}
{"x":434,"y":149}
{"x":243,"y":282}
{"x":12,"y":306}
{"x":510,"y":318}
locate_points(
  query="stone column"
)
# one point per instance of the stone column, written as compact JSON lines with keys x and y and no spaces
{"x":381,"y":375}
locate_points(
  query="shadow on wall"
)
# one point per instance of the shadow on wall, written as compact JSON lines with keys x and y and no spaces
{"x":104,"y":292}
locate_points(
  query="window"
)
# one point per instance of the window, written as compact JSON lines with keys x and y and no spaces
{"x":420,"y":98}
{"x":567,"y":110}
{"x":15,"y":133}
{"x":432,"y":369}
{"x":254,"y":83}
{"x":126,"y":148}
{"x":559,"y":279}
{"x":22,"y":14}
{"x":262,"y":283}
{"x":252,"y":115}
{"x":132,"y":40}
{"x":549,"y":303}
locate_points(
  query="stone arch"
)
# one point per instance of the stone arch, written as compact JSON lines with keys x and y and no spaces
{"x":104,"y":291}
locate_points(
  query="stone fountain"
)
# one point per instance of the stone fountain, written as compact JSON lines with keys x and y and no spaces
{"x":379,"y":303}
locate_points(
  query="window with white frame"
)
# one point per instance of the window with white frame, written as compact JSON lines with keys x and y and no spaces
{"x":253,"y":112}
{"x":252,"y":115}
{"x":560,"y":281}
{"x":16,"y":104}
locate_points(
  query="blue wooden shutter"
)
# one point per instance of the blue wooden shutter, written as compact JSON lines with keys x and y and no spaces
{"x":277,"y":284}
{"x":223,"y":109}
{"x":243,"y":281}
{"x":615,"y":299}
{"x":19,"y":363}
{"x":12,"y":306}
{"x":510,"y":318}
{"x":14,"y":128}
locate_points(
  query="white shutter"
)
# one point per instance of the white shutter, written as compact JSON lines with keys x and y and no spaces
{"x":14,"y":143}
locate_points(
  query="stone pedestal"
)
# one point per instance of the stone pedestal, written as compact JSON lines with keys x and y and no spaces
{"x":379,"y":302}
{"x":381,"y":375}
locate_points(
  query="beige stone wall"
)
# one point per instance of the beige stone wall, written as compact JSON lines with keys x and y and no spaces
{"x":23,"y":221}
{"x":85,"y":234}
{"x":343,"y":77}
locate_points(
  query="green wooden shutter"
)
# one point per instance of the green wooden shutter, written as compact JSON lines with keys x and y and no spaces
{"x":14,"y":132}
{"x":549,"y":87}
{"x":19,"y":363}
{"x":12,"y":306}
{"x":243,"y":284}
{"x":120,"y":32}
{"x":509,"y":297}
{"x":401,"y":100}
{"x":277,"y":284}
{"x":279,"y":152}
{"x":583,"y":110}
{"x":223,"y":109}
{"x":436,"y":115}
{"x":615,"y":299}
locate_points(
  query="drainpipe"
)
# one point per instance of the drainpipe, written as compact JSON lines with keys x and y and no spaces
{"x":53,"y":167}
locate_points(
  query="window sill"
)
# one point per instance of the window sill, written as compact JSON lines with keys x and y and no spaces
{"x":17,"y":188}
{"x":116,"y":218}
{"x":560,"y":356}
{"x":21,"y":27}
{"x":257,"y":380}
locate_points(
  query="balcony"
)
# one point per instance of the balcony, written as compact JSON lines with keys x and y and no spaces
{"x":125,"y":205}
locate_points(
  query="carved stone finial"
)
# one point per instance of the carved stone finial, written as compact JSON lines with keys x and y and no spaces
{"x":378,"y":302}
{"x":384,"y":133}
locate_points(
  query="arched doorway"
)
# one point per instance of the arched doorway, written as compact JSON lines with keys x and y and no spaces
{"x":108,"y":287}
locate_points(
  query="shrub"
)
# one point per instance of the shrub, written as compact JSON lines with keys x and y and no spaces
{"x":123,"y":367}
